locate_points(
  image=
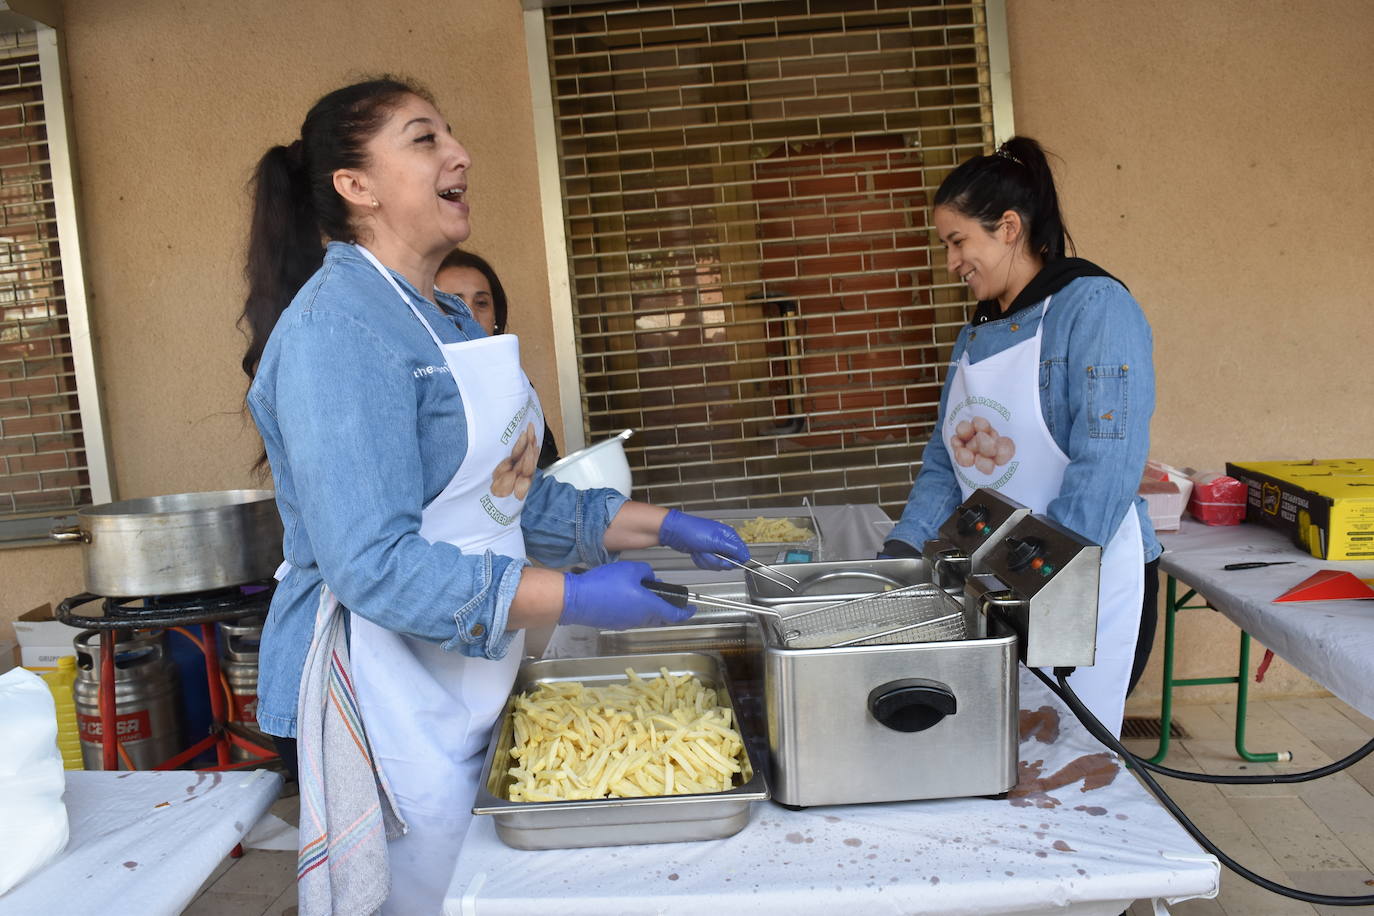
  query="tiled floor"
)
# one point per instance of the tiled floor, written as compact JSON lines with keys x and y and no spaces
{"x":1317,"y":835}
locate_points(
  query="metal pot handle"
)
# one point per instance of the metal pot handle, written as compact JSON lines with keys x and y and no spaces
{"x":911,"y":705}
{"x":70,"y":533}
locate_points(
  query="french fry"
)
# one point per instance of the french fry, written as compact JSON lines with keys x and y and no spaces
{"x":661,"y":736}
{"x":762,"y":530}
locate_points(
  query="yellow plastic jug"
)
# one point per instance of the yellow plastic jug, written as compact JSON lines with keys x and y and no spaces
{"x":60,"y":681}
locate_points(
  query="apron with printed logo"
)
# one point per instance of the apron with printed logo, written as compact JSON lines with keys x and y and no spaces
{"x":429,"y":712}
{"x":997,"y":438}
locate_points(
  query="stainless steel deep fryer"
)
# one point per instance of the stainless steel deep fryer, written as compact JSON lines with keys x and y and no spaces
{"x":911,"y":692}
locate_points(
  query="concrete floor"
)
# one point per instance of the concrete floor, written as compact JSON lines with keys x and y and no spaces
{"x":1317,"y":836}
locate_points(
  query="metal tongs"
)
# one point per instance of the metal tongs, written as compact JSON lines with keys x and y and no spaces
{"x":680,"y":596}
{"x":763,"y":571}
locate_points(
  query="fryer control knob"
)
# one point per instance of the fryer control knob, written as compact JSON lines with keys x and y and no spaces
{"x":973,"y":520}
{"x":1022,"y":552}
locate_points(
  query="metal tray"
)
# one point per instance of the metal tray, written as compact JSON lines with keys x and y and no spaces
{"x":616,"y":821}
{"x":839,"y":580}
{"x":661,"y":558}
{"x":735,"y":635}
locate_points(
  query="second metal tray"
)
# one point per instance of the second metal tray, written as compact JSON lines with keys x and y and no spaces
{"x":838,"y":580}
{"x":770,"y":552}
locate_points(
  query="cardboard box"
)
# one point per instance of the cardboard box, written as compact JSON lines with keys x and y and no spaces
{"x":1166,"y":490}
{"x":1164,"y":501}
{"x":1327,"y":507}
{"x":42,"y":639}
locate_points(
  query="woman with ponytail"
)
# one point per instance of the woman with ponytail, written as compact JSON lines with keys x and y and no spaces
{"x":402,"y":442}
{"x":1048,"y":399}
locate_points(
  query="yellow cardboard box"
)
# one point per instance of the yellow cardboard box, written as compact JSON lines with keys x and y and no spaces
{"x":1326,"y":506}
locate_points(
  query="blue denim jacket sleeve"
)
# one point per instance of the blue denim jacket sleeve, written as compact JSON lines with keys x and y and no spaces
{"x":935,"y":493}
{"x":1097,"y":398}
{"x":357,"y":488}
{"x":357,"y":485}
{"x":565,"y":526}
{"x":1110,"y":396}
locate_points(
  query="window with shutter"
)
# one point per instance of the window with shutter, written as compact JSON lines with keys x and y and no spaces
{"x":757,"y":289}
{"x":45,"y":469}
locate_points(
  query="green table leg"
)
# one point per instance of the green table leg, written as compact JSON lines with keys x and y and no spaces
{"x":1173,"y":603}
{"x":1242,"y":707}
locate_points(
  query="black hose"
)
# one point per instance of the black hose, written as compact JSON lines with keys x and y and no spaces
{"x":1264,"y":779}
{"x":1100,"y":732}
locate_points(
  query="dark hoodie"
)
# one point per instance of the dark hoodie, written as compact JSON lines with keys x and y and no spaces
{"x":1053,"y":277}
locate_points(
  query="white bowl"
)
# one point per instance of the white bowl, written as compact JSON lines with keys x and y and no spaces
{"x":601,"y":465}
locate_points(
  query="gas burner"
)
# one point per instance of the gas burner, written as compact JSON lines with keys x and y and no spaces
{"x":167,"y":610}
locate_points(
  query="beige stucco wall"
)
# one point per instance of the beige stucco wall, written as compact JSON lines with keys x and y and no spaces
{"x":173,"y":103}
{"x":1215,"y":157}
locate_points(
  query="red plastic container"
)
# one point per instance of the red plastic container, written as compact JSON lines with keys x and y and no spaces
{"x":1217,"y":500}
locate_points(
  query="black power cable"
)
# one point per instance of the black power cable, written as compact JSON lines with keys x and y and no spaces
{"x":1100,"y":732}
{"x":1265,"y":779}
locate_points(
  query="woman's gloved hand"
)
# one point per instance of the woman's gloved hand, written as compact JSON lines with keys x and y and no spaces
{"x":703,"y":538}
{"x":612,"y":598}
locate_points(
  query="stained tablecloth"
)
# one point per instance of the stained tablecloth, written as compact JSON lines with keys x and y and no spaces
{"x":1332,"y":642}
{"x":143,"y":842}
{"x":1078,"y":835}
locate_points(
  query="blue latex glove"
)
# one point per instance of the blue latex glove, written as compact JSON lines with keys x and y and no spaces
{"x":702,"y":538}
{"x":612,"y":598}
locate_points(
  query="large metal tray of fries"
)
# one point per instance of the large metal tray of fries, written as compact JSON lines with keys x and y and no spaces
{"x":616,"y":821}
{"x":735,"y":635}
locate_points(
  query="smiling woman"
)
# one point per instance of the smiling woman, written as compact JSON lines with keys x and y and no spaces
{"x":402,"y":442}
{"x":1048,"y":399}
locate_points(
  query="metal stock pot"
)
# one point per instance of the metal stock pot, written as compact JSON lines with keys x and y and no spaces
{"x":172,"y":545}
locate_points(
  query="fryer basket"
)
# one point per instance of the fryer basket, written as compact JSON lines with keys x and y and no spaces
{"x":915,"y":613}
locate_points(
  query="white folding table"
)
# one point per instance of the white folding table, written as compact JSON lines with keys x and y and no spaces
{"x":1078,"y":835}
{"x":1332,"y":642}
{"x":144,"y":841}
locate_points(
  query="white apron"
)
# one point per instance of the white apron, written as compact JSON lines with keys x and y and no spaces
{"x":429,"y":712}
{"x":1004,"y":392}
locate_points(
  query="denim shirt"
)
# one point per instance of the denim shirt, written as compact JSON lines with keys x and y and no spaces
{"x":363,"y":428}
{"x":1097,"y":393}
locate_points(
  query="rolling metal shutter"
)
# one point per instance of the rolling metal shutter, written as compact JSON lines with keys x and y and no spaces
{"x":757,"y":289}
{"x":42,"y":457}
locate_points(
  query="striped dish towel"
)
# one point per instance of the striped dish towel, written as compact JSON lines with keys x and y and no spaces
{"x":347,"y":810}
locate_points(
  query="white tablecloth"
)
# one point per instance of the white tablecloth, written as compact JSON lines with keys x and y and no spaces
{"x":143,"y":842}
{"x":1079,"y":835}
{"x":1331,"y":642}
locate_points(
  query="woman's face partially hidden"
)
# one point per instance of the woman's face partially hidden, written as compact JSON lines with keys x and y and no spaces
{"x":470,"y":285}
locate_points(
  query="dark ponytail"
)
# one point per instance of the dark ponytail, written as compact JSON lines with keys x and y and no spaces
{"x":1016,"y":177}
{"x":295,"y":206}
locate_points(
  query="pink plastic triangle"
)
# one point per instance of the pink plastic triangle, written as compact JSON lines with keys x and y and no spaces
{"x":1328,"y":585}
